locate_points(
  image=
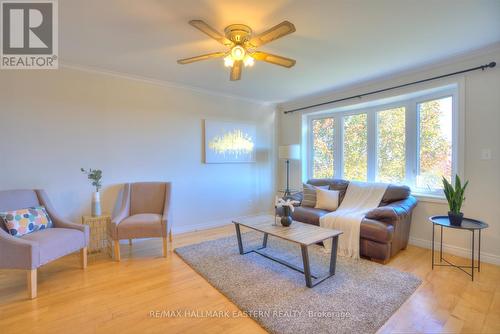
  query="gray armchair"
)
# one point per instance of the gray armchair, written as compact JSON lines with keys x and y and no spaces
{"x":38,"y":248}
{"x":144,"y":213}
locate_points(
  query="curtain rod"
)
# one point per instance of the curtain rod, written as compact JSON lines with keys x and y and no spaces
{"x":482,"y":67}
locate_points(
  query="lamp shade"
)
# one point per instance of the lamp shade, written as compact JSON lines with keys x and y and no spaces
{"x":289,"y":152}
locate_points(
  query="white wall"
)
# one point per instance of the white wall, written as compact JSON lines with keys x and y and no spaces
{"x":482,"y":130}
{"x":54,"y":122}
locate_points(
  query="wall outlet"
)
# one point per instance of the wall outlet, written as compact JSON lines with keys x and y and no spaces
{"x":485,"y":154}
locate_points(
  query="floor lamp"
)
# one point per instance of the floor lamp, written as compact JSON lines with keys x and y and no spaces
{"x":287,"y":153}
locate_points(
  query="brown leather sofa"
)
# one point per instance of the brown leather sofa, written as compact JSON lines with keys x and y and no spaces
{"x":384,"y":230}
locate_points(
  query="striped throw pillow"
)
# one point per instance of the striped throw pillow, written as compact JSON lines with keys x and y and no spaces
{"x":309,"y":195}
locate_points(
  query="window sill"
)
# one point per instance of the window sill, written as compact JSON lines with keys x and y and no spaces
{"x":430,"y":198}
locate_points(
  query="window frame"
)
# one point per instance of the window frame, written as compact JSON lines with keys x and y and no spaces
{"x":354,"y":113}
{"x":410,"y":102}
{"x":376,"y":141}
{"x":310,"y":149}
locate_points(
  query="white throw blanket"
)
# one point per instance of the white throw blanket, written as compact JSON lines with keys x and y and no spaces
{"x":359,"y":198}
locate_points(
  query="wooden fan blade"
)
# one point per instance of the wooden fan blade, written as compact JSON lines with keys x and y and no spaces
{"x":205,"y":28}
{"x":278,"y":31}
{"x":273,"y":59}
{"x":236,"y":70}
{"x":202,"y":57}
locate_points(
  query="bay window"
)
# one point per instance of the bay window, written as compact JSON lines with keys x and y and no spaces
{"x":411,"y":140}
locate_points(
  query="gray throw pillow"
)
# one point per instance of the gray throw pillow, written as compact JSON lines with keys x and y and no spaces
{"x":309,"y":195}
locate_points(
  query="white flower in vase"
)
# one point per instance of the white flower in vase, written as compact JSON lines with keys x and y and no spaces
{"x":280,"y":203}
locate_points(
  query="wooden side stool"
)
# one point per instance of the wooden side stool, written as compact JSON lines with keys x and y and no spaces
{"x":98,"y":232}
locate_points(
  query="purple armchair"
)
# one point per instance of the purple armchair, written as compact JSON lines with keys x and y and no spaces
{"x":38,"y":248}
{"x":144,"y":213}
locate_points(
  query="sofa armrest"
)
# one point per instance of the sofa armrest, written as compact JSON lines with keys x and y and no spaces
{"x":393,"y":211}
{"x":17,"y":253}
{"x":60,"y":222}
{"x":166,"y":220}
{"x":124,"y":210}
{"x":63,"y":223}
{"x":382,"y":213}
{"x":122,"y":213}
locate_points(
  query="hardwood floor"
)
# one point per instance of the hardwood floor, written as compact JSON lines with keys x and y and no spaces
{"x":112,"y":297}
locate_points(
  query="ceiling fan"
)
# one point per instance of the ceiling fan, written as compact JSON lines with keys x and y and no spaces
{"x":242,"y":46}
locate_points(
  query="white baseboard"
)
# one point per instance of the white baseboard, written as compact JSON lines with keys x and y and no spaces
{"x":455,"y":250}
{"x":203,"y":226}
{"x":213,"y":223}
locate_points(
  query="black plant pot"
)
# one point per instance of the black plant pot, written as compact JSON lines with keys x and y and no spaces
{"x":286,"y":219}
{"x":455,"y":218}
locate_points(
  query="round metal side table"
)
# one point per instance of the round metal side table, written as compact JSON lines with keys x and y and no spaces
{"x":468,"y":224}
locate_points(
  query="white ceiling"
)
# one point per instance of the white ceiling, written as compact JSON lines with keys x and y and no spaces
{"x":337,"y":43}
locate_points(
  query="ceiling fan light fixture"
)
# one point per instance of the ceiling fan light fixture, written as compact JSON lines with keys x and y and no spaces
{"x":228,"y":61}
{"x":248,"y":61}
{"x":238,"y":52}
{"x":241,"y":44}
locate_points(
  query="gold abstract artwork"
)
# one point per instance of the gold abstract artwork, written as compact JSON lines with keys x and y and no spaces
{"x":235,"y":143}
{"x":229,"y":142}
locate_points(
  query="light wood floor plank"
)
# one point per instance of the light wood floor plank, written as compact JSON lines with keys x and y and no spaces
{"x":117,"y":297}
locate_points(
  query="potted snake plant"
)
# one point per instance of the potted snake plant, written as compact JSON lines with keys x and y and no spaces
{"x":455,"y":197}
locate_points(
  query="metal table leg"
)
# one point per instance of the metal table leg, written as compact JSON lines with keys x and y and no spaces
{"x":479,"y":254}
{"x":432,"y":246}
{"x":472,"y":266}
{"x":307,"y":268}
{"x":238,"y":235}
{"x":240,"y":242}
{"x":441,"y":246}
{"x":333,"y":255}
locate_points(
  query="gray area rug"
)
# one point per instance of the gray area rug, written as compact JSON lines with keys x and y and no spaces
{"x":358,"y":299}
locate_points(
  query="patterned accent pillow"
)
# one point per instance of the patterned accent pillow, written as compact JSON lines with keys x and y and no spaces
{"x":24,"y":221}
{"x":309,"y":195}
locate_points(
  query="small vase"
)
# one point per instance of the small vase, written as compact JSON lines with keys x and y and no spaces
{"x":286,"y":219}
{"x":96,"y":204}
{"x":455,"y":218}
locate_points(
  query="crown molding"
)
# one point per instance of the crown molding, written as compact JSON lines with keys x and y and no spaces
{"x":415,"y":70}
{"x":160,"y":83}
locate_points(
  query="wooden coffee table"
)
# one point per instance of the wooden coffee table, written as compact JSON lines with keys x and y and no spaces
{"x":300,"y":233}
